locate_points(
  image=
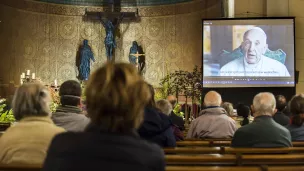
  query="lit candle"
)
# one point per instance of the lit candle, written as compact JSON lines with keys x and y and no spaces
{"x":55,"y":83}
{"x":23,"y":75}
{"x":33,"y":76}
{"x":21,"y":81}
{"x":28,"y":72}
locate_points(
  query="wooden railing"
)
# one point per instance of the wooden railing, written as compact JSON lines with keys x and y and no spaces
{"x":219,"y":143}
{"x":229,"y":150}
{"x":232,"y":160}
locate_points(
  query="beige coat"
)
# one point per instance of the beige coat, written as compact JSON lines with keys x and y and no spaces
{"x":212,"y":123}
{"x":27,"y":141}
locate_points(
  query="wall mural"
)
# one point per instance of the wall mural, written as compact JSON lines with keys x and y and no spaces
{"x":47,"y":43}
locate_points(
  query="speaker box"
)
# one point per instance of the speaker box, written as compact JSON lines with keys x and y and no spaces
{"x":297,"y":76}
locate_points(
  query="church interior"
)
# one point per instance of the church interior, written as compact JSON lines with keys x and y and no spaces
{"x":63,"y":44}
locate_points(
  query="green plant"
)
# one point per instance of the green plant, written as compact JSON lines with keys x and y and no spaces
{"x":183,"y":83}
{"x":6,"y":115}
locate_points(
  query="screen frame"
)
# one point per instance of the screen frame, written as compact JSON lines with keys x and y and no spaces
{"x":250,"y":18}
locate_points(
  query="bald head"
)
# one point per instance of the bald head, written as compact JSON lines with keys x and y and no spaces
{"x":172,"y":99}
{"x":212,"y":98}
{"x":264,"y":104}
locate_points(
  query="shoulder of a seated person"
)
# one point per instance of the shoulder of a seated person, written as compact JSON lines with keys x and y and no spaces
{"x":232,"y":64}
{"x":273,"y":62}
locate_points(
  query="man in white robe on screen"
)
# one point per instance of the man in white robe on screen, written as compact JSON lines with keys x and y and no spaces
{"x":254,"y":63}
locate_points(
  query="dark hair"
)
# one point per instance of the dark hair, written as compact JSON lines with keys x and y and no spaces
{"x":280,"y":102}
{"x":297,"y":108}
{"x":151,"y":103}
{"x":244,"y":111}
{"x":70,"y":93}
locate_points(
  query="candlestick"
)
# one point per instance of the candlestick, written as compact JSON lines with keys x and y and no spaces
{"x":23,"y":75}
{"x":55,"y":83}
{"x":33,"y":76}
{"x":21,"y":81}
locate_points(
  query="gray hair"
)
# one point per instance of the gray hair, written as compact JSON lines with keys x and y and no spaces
{"x":264,"y":104}
{"x":31,"y":99}
{"x":165,"y":106}
{"x":212,"y":98}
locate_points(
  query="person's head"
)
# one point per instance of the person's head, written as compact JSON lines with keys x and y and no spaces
{"x":296,"y":106}
{"x":264,"y":104}
{"x":254,"y":45}
{"x":116,"y":96}
{"x":70,"y":93}
{"x":31,"y":99}
{"x":212,"y":98}
{"x":164,"y":106}
{"x":172,"y":99}
{"x":228,"y":107}
{"x":85,"y":42}
{"x":151,"y":102}
{"x":243,"y":110}
{"x":280,"y":102}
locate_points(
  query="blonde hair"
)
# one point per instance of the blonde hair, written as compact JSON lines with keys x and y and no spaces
{"x":31,"y":99}
{"x":164,"y":106}
{"x":116,"y":96}
{"x":228,"y":107}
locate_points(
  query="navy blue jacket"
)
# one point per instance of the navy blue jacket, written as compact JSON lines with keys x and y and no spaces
{"x":157,"y":128}
{"x":95,"y":149}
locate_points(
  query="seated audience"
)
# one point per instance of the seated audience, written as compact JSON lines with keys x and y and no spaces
{"x":296,"y":127}
{"x":176,"y":120}
{"x":69,"y":114}
{"x":243,"y":111}
{"x":165,"y":107}
{"x":263,"y":131}
{"x":28,"y":140}
{"x":156,"y":126}
{"x":229,"y":108}
{"x":279,"y":116}
{"x":116,"y":96}
{"x":213,"y":121}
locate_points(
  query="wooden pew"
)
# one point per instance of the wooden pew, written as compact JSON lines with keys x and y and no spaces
{"x":234,"y":168}
{"x":228,"y":159}
{"x":210,"y":159}
{"x":219,"y":143}
{"x":20,"y":167}
{"x":230,"y":150}
{"x":211,"y":168}
{"x":193,"y":150}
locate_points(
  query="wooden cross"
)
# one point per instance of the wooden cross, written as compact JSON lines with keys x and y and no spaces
{"x":110,"y":20}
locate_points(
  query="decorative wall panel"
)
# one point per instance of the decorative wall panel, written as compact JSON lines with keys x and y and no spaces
{"x":35,"y":37}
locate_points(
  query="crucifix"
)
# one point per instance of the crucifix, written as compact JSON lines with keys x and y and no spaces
{"x":110,"y":19}
{"x":137,"y":57}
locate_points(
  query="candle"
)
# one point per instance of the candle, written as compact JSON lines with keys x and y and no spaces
{"x":55,"y":83}
{"x":21,"y":81}
{"x":23,"y":75}
{"x":28,"y":72}
{"x":33,"y":76}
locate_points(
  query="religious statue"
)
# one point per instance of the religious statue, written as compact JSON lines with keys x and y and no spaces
{"x":137,"y":57}
{"x":86,"y":55}
{"x":110,"y":43}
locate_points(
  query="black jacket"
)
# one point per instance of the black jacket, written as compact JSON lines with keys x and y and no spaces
{"x":262,"y":132}
{"x":98,"y":150}
{"x":157,"y":128}
{"x":178,"y":121}
{"x":281,"y":118}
